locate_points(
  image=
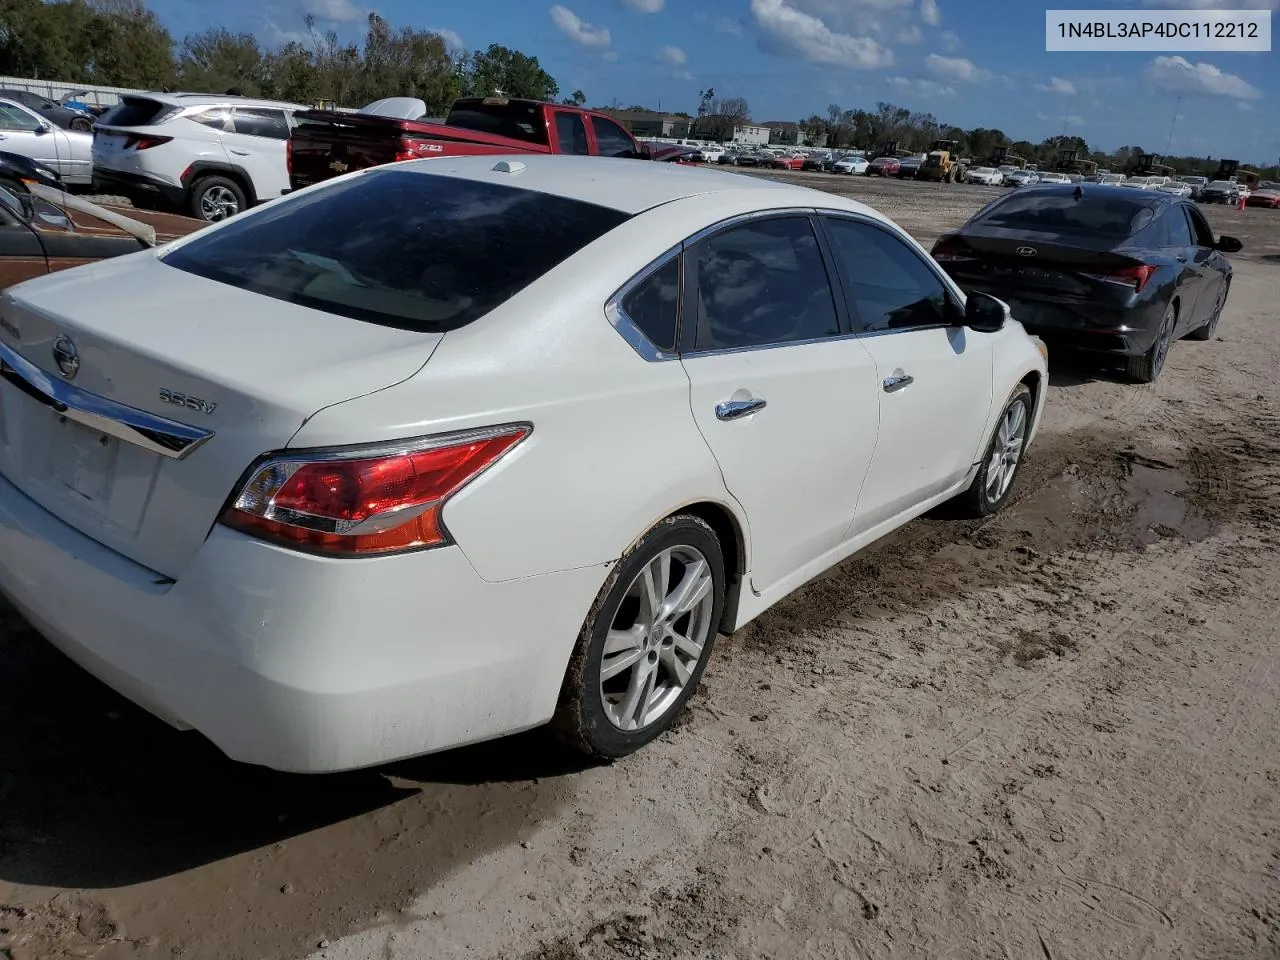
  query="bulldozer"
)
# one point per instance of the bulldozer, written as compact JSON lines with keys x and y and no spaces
{"x":941,"y":164}
{"x":1069,"y":162}
{"x":1005,"y":157}
{"x":1226,"y":170}
{"x":893,"y":148}
{"x":1149,"y":165}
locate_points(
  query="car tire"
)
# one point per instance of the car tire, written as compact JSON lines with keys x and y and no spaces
{"x":83,"y":124}
{"x":1207,"y":329}
{"x":1147,"y":367}
{"x":216,"y":198}
{"x":993,"y":484}
{"x":609,"y":710}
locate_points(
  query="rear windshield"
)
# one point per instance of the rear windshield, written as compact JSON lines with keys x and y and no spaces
{"x":399,"y":249}
{"x":133,"y":112}
{"x":520,"y":121}
{"x":1106,"y":214}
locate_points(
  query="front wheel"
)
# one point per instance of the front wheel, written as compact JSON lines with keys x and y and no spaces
{"x":993,"y":484}
{"x":83,"y":124}
{"x":645,"y":642}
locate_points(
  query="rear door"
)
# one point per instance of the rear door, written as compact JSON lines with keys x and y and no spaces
{"x":1210,"y":262}
{"x":1194,"y":279}
{"x":571,"y":133}
{"x":256,"y":141}
{"x":933,"y":377}
{"x":784,"y":398}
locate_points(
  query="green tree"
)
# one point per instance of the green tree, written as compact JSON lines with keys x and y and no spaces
{"x":218,"y":60}
{"x":515,"y":74}
{"x":575,"y":99}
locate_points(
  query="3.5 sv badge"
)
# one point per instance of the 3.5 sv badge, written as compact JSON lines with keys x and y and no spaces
{"x":188,"y":402}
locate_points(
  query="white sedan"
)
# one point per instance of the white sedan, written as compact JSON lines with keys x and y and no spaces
{"x":1174,"y":187}
{"x":855,"y":165}
{"x":68,"y":152}
{"x":989,"y":176}
{"x":440,"y":451}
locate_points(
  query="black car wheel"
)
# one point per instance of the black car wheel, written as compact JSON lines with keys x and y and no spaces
{"x":1206,"y":330}
{"x":83,"y":124}
{"x":1146,"y":368}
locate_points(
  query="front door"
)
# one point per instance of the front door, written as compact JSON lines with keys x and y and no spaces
{"x":933,"y":376}
{"x":25,"y":133}
{"x":785,"y":399}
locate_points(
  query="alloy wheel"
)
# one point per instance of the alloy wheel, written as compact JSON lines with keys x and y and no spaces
{"x":218,"y":203}
{"x":656,"y":638}
{"x":1006,"y":451}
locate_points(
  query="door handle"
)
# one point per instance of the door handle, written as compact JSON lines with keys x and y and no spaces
{"x":897,"y":382}
{"x":241,"y":153}
{"x":737,"y":409}
{"x":1180,"y":258}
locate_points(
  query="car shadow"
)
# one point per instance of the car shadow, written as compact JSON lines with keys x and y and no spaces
{"x":1074,"y":368}
{"x":95,"y":793}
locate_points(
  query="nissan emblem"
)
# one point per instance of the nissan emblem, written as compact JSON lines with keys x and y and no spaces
{"x":67,"y":357}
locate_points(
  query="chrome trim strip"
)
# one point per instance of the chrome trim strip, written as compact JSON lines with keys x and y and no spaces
{"x":158,"y":435}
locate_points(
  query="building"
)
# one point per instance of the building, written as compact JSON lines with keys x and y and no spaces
{"x":756,"y":136}
{"x":786,"y":132}
{"x":648,"y":123}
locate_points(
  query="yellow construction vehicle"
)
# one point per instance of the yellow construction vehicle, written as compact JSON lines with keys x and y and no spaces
{"x":941,"y":164}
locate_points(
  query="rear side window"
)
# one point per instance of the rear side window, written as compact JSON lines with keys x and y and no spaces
{"x":257,"y":122}
{"x":133,"y":112}
{"x":571,"y":132}
{"x":1177,"y":229}
{"x":398,"y":249}
{"x":653,"y":303}
{"x":515,"y":119}
{"x":216,"y":118}
{"x":1109,"y":215}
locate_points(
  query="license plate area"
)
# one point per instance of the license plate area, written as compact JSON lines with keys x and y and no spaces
{"x":82,"y":460}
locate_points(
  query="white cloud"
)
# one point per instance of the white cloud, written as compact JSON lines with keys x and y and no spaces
{"x":645,"y":6}
{"x":910,"y":34}
{"x":673,"y":55}
{"x":1058,"y":85}
{"x":572,"y":27}
{"x":950,"y":40}
{"x":930,"y":13}
{"x":279,"y":36}
{"x":609,"y":56}
{"x":1179,"y":75}
{"x":338,"y":11}
{"x":955,"y":68}
{"x":1245,"y":107}
{"x":728,"y":26}
{"x":1071,"y":120}
{"x":452,"y":41}
{"x":929,"y":89}
{"x":786,"y":29}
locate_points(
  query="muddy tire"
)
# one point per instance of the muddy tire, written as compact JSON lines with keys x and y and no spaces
{"x":645,"y":642}
{"x":993,"y":485}
{"x":1206,"y":330}
{"x":1147,"y":367}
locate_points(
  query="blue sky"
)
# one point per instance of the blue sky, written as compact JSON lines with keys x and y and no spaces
{"x":970,"y":62}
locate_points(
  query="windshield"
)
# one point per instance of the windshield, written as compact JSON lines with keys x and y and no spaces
{"x":520,"y":120}
{"x":397,"y":248}
{"x":1109,"y":215}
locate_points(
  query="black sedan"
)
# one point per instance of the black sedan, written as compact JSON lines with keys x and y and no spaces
{"x":1119,"y":271}
{"x":66,"y":117}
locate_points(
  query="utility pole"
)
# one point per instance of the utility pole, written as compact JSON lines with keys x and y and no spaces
{"x":1172,"y":123}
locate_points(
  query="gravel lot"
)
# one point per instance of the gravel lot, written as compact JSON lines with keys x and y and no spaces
{"x":1047,"y":735}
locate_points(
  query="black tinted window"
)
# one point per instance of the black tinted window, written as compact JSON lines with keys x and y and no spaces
{"x":133,"y":112}
{"x":611,"y":139}
{"x":1109,"y":214}
{"x":889,"y":286}
{"x":1199,"y":227}
{"x":261,"y":123}
{"x":1177,"y":229}
{"x":571,"y":132}
{"x":516,"y":119}
{"x":762,"y":282}
{"x":399,"y":249}
{"x":652,"y":305}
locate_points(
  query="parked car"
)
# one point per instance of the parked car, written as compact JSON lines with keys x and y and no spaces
{"x":789,"y":161}
{"x":1021,"y":178}
{"x":18,"y":173}
{"x":1196,"y":184}
{"x":1051,"y":177}
{"x":987,"y":176}
{"x":1174,"y":188}
{"x":58,"y":114}
{"x":883,"y":167}
{"x":69,"y":153}
{"x":1221,"y":191}
{"x":1005,"y":170}
{"x":1125,"y":272}
{"x":818,"y":161}
{"x":209,"y":156}
{"x":854,"y":163}
{"x":908,"y":167}
{"x":326,"y":143}
{"x":471,"y":398}
{"x":43,"y":230}
{"x":1264,"y":198}
{"x":72,"y":101}
{"x":712,"y":154}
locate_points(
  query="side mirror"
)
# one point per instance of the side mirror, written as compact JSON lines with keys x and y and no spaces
{"x":1228,"y":245}
{"x":43,"y":129}
{"x":985,"y":313}
{"x":645,"y":152}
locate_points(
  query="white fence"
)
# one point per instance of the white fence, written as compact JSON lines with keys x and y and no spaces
{"x":55,"y":90}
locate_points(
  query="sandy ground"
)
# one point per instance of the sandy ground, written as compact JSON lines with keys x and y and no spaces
{"x":1050,"y":735}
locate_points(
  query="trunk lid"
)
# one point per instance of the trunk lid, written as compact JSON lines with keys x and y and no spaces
{"x":1056,"y":268}
{"x":326,"y":144}
{"x":204,"y":356}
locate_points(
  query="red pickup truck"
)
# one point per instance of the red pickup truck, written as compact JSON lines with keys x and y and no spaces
{"x":327,"y":143}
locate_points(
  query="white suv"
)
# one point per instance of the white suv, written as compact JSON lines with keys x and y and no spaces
{"x":210,"y":156}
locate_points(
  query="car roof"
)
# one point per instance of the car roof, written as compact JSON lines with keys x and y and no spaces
{"x":628,"y":186}
{"x":1153,"y":198}
{"x":214,"y":100}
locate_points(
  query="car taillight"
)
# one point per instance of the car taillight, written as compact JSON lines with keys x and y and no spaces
{"x":142,"y":142}
{"x":952,"y":250}
{"x":1135,"y":277}
{"x":358,"y":502}
{"x":288,"y":156}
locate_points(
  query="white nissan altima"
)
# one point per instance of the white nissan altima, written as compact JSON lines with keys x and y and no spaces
{"x":444,"y":450}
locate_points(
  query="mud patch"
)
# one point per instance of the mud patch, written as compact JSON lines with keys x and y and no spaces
{"x":1027,"y":646}
{"x":1162,"y":499}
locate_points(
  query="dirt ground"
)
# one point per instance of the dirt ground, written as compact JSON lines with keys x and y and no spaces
{"x":1049,"y":735}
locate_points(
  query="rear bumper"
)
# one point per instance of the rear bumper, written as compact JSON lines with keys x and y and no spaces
{"x":122,"y":183}
{"x":296,"y":662}
{"x":1124,"y":331}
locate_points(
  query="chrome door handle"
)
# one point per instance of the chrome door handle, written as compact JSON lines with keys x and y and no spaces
{"x":897,"y":382}
{"x":737,"y":409}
